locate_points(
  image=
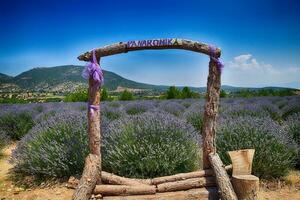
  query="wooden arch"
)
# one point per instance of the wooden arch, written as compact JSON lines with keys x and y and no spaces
{"x":211,"y":105}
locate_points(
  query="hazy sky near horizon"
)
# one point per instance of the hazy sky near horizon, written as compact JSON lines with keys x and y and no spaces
{"x":260,"y":39}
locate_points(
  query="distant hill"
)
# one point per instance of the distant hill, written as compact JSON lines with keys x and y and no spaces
{"x":67,"y":78}
{"x":5,"y":78}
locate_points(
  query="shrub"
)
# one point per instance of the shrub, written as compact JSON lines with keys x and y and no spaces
{"x":242,"y":110}
{"x":194,"y":116}
{"x":172,"y":107}
{"x":16,"y":125}
{"x":56,"y":147}
{"x":3,"y":141}
{"x":292,"y":125}
{"x":80,"y":94}
{"x":291,"y":108}
{"x":275,"y":152}
{"x":150,"y":145}
{"x":111,"y":113}
{"x":138,"y":107}
{"x":126,"y":96}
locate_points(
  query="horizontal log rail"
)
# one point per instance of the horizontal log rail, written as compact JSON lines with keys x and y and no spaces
{"x":170,"y":43}
{"x":113,"y":179}
{"x":193,"y":194}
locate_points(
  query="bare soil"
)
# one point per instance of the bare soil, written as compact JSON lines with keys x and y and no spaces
{"x":289,"y":189}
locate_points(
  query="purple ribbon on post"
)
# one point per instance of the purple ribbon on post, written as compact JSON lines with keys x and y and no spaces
{"x":214,"y":57}
{"x":94,"y":71}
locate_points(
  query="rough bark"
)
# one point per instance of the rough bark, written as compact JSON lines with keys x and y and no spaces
{"x":223,"y":181}
{"x":94,"y":119}
{"x":184,"y":176}
{"x":124,"y":190}
{"x":109,"y":178}
{"x":246,"y":186}
{"x":210,"y":113}
{"x":122,"y":47}
{"x":186,"y":184}
{"x":242,"y":161}
{"x":90,"y":176}
{"x":118,"y":180}
{"x":210,"y":193}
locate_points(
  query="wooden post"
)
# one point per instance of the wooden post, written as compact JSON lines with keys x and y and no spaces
{"x":210,"y":113}
{"x":90,"y":176}
{"x":94,"y":119}
{"x":92,"y":169}
{"x":223,"y":181}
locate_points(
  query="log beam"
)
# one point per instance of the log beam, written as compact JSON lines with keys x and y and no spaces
{"x":186,"y":184}
{"x":124,"y":47}
{"x":209,"y":193}
{"x":113,"y":179}
{"x":184,"y":176}
{"x":223,"y":181}
{"x":124,"y":190}
{"x":118,"y":180}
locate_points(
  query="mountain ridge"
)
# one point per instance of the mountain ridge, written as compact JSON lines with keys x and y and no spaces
{"x":67,"y":78}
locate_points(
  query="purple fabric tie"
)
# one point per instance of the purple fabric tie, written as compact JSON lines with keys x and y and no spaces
{"x":93,"y":109}
{"x":215,"y":58}
{"x":94,"y":71}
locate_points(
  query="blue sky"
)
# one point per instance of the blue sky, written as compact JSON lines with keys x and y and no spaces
{"x":260,"y":39}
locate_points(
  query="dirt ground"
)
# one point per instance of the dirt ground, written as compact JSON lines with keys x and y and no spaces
{"x":8,"y":191}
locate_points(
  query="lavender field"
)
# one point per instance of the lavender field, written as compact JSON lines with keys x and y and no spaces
{"x":149,"y":138}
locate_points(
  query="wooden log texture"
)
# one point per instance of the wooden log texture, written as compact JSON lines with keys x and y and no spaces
{"x":124,"y":47}
{"x":210,"y":113}
{"x":209,"y":193}
{"x":246,"y":186}
{"x":242,"y":161}
{"x":223,"y":181}
{"x":94,"y":119}
{"x":90,"y":176}
{"x":184,"y":176}
{"x":124,"y":190}
{"x":186,"y":184}
{"x":118,"y":180}
{"x":113,"y":179}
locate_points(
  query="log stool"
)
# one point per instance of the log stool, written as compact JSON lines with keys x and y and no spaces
{"x":246,"y":186}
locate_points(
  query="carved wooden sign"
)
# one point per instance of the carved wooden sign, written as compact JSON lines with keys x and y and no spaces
{"x":154,"y":43}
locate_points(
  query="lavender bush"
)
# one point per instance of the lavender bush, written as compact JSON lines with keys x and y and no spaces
{"x":56,"y":147}
{"x":150,"y":145}
{"x":194,"y":116}
{"x":3,"y":141}
{"x":275,"y":152}
{"x":111,"y":113}
{"x":292,"y":107}
{"x":292,"y":125}
{"x":138,"y":107}
{"x":172,"y":107}
{"x":16,"y":125}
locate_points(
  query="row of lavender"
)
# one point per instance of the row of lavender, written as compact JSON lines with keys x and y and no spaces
{"x":152,"y":138}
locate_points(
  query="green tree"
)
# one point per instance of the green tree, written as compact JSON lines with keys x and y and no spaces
{"x":126,"y":95}
{"x":223,"y":94}
{"x":80,"y":94}
{"x":173,"y":93}
{"x":186,"y":93}
{"x":104,"y":94}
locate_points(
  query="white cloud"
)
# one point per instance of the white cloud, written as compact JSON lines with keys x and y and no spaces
{"x":245,"y":70}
